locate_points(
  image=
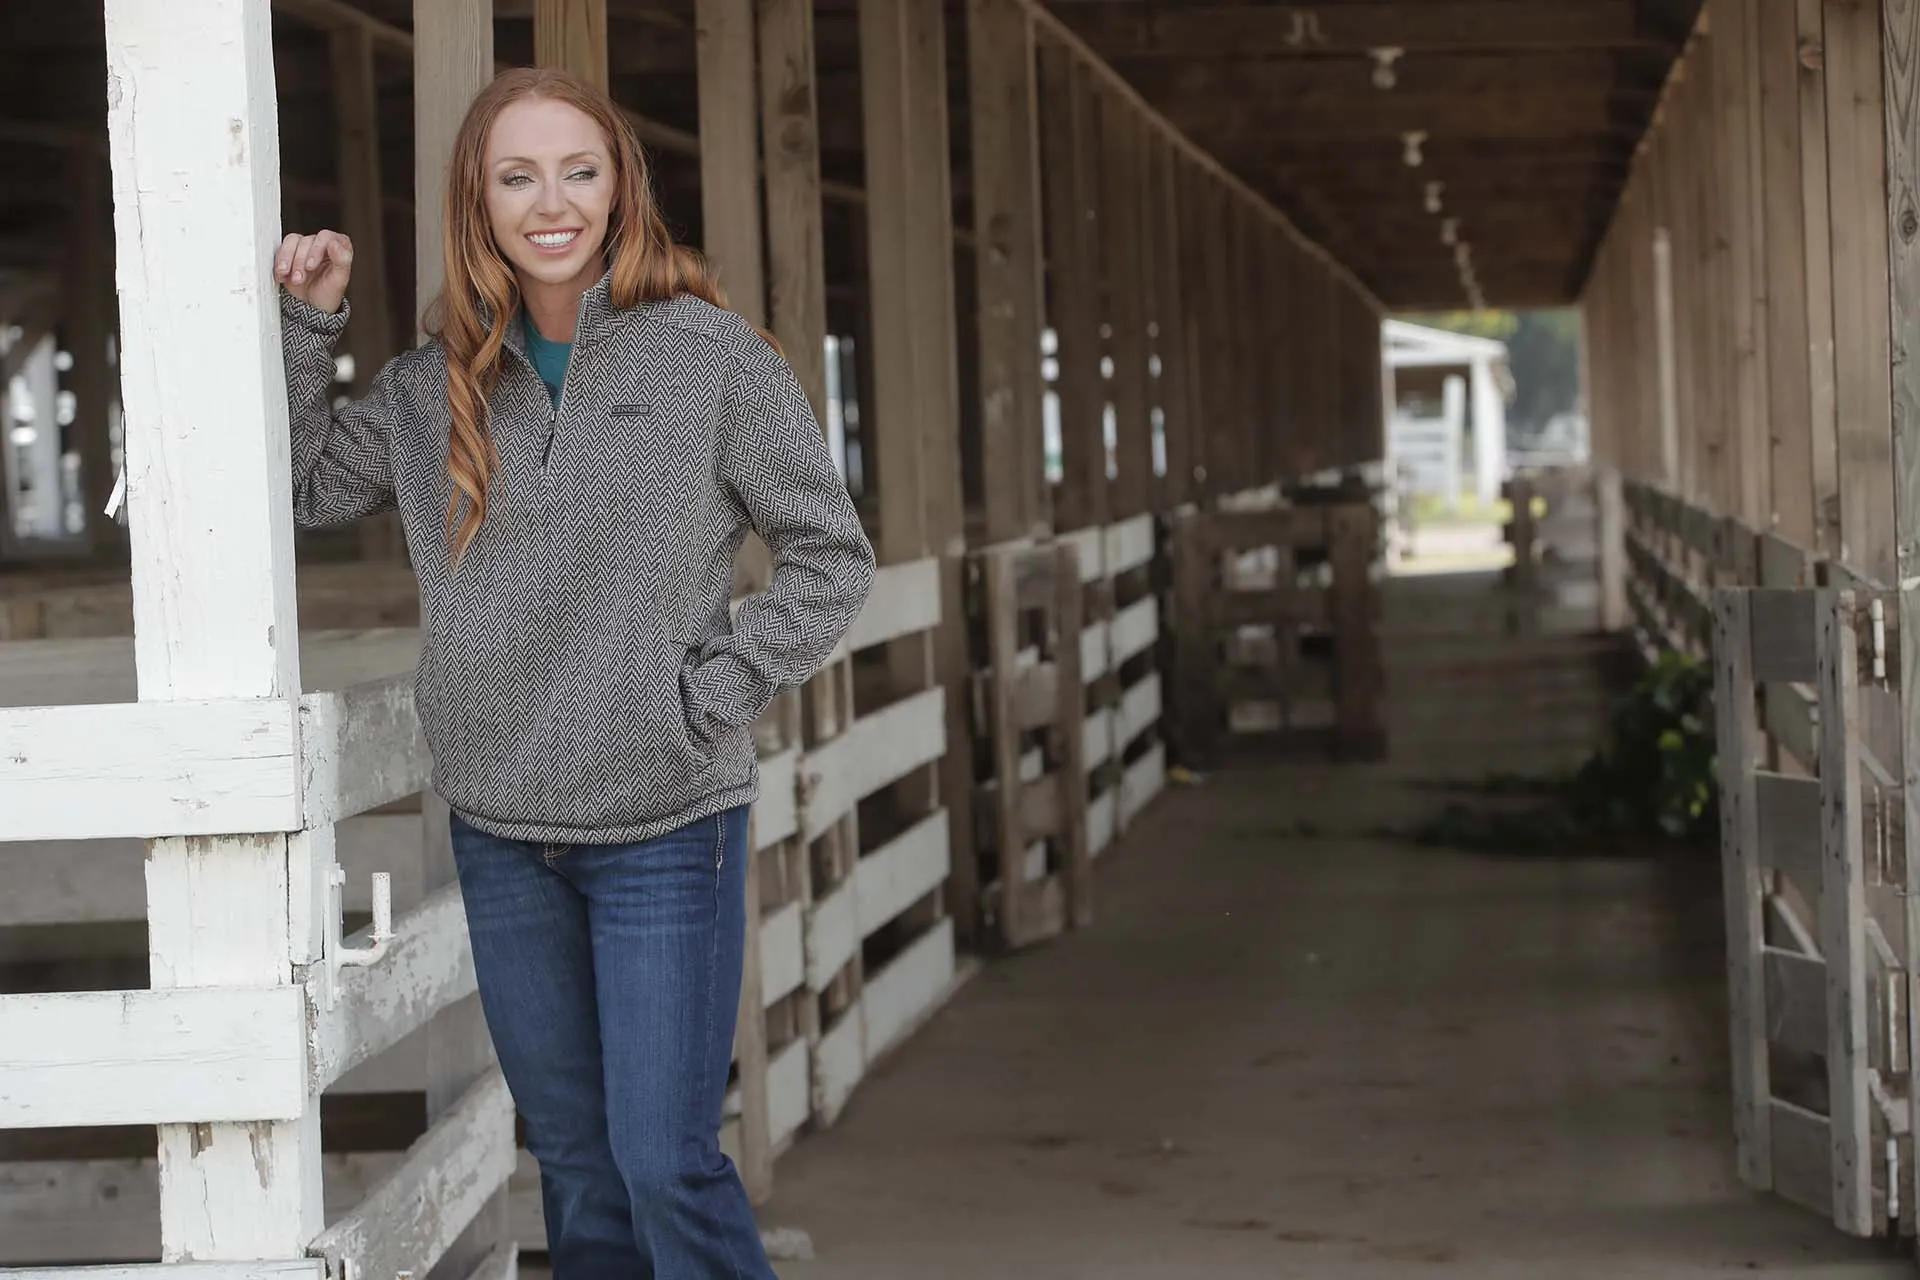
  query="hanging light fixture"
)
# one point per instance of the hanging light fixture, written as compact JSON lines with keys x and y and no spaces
{"x":1383,"y":59}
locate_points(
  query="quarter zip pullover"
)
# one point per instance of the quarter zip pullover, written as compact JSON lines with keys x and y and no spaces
{"x":582,"y":678}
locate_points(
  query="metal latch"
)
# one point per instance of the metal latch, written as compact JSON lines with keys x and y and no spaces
{"x":338,"y":954}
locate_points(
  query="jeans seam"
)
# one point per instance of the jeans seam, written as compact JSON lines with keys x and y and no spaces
{"x":713,"y":980}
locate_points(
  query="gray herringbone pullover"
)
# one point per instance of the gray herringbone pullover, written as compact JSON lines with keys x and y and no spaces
{"x":580,"y":679}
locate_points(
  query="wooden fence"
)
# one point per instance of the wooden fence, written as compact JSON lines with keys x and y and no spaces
{"x":1030,"y":725}
{"x":850,"y":941}
{"x":1121,"y":648}
{"x":850,"y":950}
{"x":1278,"y":641}
{"x":1817,"y":864}
{"x":1677,"y":553}
{"x":1820,"y":950}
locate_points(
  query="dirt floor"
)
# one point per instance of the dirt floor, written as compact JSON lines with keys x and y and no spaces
{"x":1291,"y":1047}
{"x":1277,"y":1056}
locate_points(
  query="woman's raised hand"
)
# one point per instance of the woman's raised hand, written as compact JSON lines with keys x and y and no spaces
{"x":315,"y":268}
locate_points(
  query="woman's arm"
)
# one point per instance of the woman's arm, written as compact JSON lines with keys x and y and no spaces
{"x":341,"y":466}
{"x":774,"y":458}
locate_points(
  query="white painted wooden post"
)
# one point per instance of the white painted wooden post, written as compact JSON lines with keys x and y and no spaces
{"x":196,"y":182}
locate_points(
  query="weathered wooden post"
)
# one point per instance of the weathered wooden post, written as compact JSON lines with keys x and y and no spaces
{"x":370,"y":339}
{"x":196,"y":211}
{"x":1006,"y":219}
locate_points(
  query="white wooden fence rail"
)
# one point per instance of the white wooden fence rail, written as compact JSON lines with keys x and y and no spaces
{"x":1106,"y":554}
{"x":217,"y":1053}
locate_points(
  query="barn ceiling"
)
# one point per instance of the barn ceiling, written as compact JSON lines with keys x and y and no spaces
{"x":1525,"y":112}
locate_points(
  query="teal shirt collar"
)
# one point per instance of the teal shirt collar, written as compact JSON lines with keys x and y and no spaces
{"x":549,"y":358}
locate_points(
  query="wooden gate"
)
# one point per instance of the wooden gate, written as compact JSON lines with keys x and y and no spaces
{"x":1569,"y":566}
{"x":1817,"y":885}
{"x":1030,"y":712}
{"x":1277,"y":640}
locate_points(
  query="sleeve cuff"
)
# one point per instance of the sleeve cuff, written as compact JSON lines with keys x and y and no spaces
{"x":312,"y":318}
{"x":722,"y":694}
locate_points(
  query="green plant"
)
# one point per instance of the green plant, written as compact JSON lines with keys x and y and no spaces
{"x":1656,"y":774}
{"x":1652,"y":782}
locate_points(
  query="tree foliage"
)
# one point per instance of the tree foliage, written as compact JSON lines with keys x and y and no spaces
{"x":1543,"y":352}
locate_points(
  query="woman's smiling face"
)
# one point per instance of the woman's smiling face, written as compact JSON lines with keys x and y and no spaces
{"x":550,"y":188}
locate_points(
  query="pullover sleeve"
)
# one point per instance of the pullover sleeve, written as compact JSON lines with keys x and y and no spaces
{"x":775,"y":460}
{"x":342,"y":467}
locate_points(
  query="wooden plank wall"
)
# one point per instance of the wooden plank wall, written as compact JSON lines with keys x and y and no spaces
{"x":1214,"y":388}
{"x":1748,"y":268}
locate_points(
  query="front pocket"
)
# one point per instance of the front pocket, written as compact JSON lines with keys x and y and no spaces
{"x":619,"y":744}
{"x":699,"y":749}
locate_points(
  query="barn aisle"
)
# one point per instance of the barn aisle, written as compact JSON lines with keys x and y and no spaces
{"x":1289,"y":1048}
{"x":1282,"y":1056}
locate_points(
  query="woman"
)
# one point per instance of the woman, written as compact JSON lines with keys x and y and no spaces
{"x":576,"y":456}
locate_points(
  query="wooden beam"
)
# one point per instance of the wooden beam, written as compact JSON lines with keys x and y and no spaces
{"x":891,"y":244}
{"x":732,"y":226}
{"x":340,"y":15}
{"x":936,"y":361}
{"x":729,"y":147}
{"x":196,"y":203}
{"x":930,"y":277}
{"x":1074,"y":227}
{"x":1857,"y":181}
{"x":333,"y":14}
{"x":1737,"y":152}
{"x":572,"y":35}
{"x":1818,"y":250}
{"x":1444,"y":155}
{"x":162,"y":1057}
{"x":796,"y":252}
{"x":1900,"y":45}
{"x":1507,"y":116}
{"x":369,"y":338}
{"x":1122,"y":206}
{"x":449,"y":1177}
{"x":1418,"y":26}
{"x":1006,"y":218}
{"x":1329,"y":80}
{"x":1179,"y":340}
{"x":453,"y":60}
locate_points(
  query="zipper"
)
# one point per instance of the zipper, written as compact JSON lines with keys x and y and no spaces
{"x":566,"y":378}
{"x":555,"y":407}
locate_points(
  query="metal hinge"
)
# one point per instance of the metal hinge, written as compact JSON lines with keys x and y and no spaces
{"x":1877,"y":611}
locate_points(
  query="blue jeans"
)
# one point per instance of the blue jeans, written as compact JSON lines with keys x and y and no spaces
{"x":610,"y":976}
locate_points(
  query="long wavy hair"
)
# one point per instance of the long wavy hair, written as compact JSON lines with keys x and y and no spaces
{"x":481,"y":295}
